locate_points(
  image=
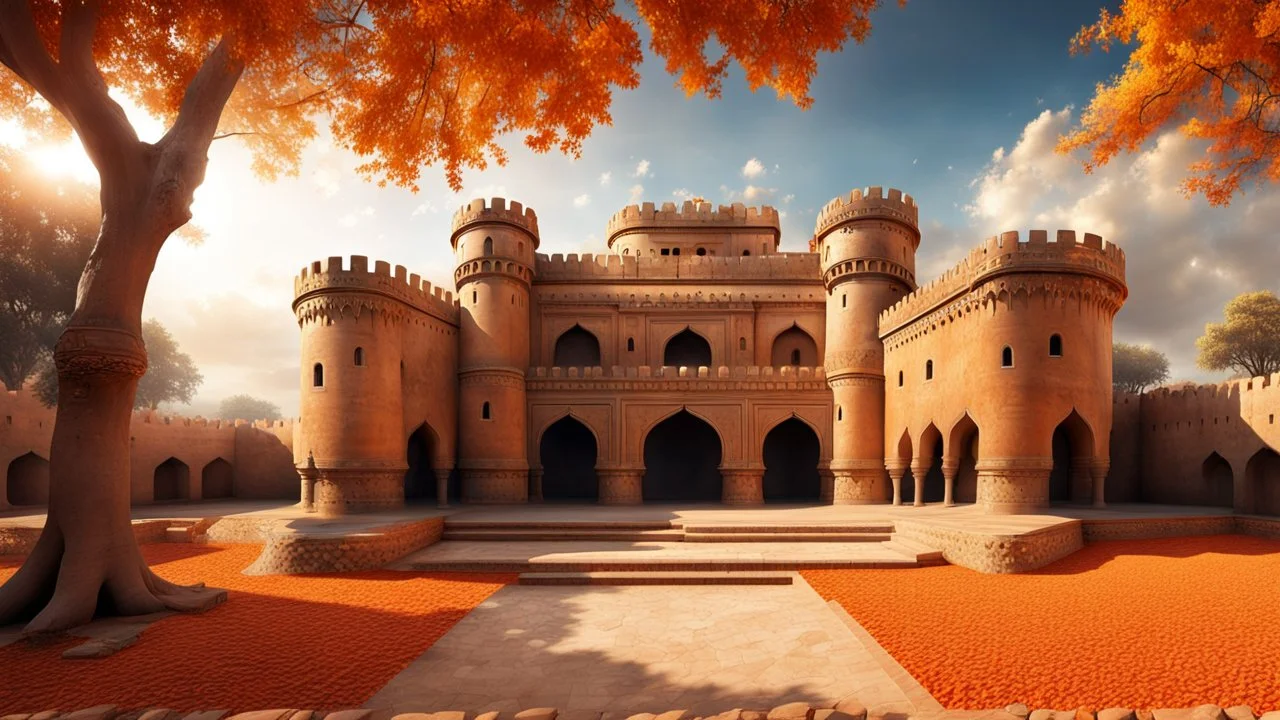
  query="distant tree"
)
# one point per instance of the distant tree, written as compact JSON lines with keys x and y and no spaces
{"x":1248,"y":341}
{"x":1135,"y":368}
{"x":47,"y":229}
{"x":247,"y":407}
{"x":1211,"y":67}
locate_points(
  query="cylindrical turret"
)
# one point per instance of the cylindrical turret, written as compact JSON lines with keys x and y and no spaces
{"x":866,"y":243}
{"x":351,"y":401}
{"x":494,"y":245}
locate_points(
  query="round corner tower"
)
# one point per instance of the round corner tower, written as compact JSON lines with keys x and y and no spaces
{"x":351,"y":404}
{"x":494,"y":245}
{"x":866,"y":244}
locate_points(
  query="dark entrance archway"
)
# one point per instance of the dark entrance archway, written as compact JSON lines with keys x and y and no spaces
{"x":27,"y":480}
{"x":1262,"y":475}
{"x":217,"y":480}
{"x":1072,"y":452}
{"x":935,"y":484}
{"x":1218,"y":489}
{"x":791,"y":451}
{"x":577,"y":347}
{"x":687,"y":349}
{"x":420,"y":478}
{"x":682,"y":461}
{"x":171,"y":481}
{"x":964,"y":446}
{"x":568,"y":455}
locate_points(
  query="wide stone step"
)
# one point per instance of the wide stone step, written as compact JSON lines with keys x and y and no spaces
{"x":463,"y":524}
{"x":563,"y":534}
{"x":656,"y":578}
{"x":723,"y":537}
{"x":739,"y":529}
{"x":923,"y":554}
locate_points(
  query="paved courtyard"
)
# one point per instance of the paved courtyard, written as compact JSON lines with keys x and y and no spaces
{"x":636,"y":649}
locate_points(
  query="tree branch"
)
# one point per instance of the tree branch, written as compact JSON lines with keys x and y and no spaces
{"x":26,"y":55}
{"x":103,"y":127}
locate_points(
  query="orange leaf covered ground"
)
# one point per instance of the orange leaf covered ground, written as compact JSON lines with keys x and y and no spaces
{"x":316,"y":641}
{"x":1142,"y":624}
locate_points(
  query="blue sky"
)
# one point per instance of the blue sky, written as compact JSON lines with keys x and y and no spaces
{"x":958,"y":103}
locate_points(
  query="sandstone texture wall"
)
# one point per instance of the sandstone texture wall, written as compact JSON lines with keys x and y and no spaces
{"x":172,"y":459}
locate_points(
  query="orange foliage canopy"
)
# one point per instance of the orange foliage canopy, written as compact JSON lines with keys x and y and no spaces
{"x":407,"y":83}
{"x":1211,"y":65}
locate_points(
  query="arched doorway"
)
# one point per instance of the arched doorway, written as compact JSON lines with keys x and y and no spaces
{"x":794,"y":346}
{"x":791,"y":451}
{"x":27,"y":480}
{"x":1218,"y":480}
{"x":1262,"y":474}
{"x":687,"y":349}
{"x":906,"y":486}
{"x":171,"y":481}
{"x":567,"y":452}
{"x":682,"y":461}
{"x":577,"y":347}
{"x":964,"y":447}
{"x":935,"y":485}
{"x":420,"y":478}
{"x":217,"y":480}
{"x":1069,"y":480}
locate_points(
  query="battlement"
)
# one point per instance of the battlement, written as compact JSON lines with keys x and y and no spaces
{"x":728,"y":376}
{"x":692,"y":215}
{"x":607,"y":267}
{"x":23,"y":407}
{"x":868,"y":203}
{"x":409,"y":288}
{"x":497,"y":210}
{"x":1229,"y":397}
{"x":1006,"y":253}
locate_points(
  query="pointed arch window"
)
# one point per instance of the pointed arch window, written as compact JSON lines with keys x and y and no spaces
{"x":317,"y":375}
{"x":1006,"y":357}
{"x":488,"y":246}
{"x":359,"y":357}
{"x":631,"y":344}
{"x":1055,"y":345}
{"x":484,"y":411}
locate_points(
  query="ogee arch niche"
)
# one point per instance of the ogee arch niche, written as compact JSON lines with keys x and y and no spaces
{"x":568,"y":453}
{"x":682,"y":461}
{"x":791,"y":451}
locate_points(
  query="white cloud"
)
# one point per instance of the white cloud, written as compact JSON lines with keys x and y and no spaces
{"x":749,"y":194}
{"x":753,"y":169}
{"x":683,"y":194}
{"x":326,"y":178}
{"x":425,"y":207}
{"x":637,"y":192}
{"x":1185,"y":259}
{"x":605,"y":177}
{"x":786,"y":199}
{"x":581,"y":200}
{"x":915,"y":160}
{"x":642,"y":169}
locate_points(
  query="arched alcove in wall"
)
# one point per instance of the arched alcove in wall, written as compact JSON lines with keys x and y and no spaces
{"x":791,"y":451}
{"x":682,"y":461}
{"x":577,"y":347}
{"x":1217,"y":482}
{"x":1262,"y":476}
{"x":567,"y":452}
{"x":687,"y":349}
{"x":1072,"y":453}
{"x":27,"y":480}
{"x":217,"y":480}
{"x":794,"y":346}
{"x":171,"y":481}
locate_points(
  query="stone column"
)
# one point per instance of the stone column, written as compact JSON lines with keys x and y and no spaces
{"x":1011,"y":486}
{"x":896,"y":471}
{"x":857,"y":482}
{"x":949,"y":472}
{"x":620,"y":486}
{"x":1099,"y":473}
{"x":308,"y":483}
{"x":827,"y":485}
{"x":1081,"y":479}
{"x":919,"y":468}
{"x":742,"y":486}
{"x":442,"y":488}
{"x":535,"y":485}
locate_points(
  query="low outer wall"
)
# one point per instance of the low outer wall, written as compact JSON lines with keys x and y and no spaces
{"x":989,"y":553}
{"x":260,"y":453}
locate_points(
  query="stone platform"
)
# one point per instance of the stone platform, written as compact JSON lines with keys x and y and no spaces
{"x":660,"y":538}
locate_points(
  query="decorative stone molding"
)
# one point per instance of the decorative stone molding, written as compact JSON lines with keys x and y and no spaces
{"x":493,"y":485}
{"x":621,"y":486}
{"x":1010,"y":486}
{"x":338,"y":492}
{"x":495,"y":211}
{"x":742,"y":486}
{"x":333,"y":287}
{"x":857,"y":486}
{"x":99,"y":352}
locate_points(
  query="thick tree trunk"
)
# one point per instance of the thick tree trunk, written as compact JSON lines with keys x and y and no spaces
{"x":87,"y":561}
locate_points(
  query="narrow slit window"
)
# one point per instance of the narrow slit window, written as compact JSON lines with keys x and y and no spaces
{"x":484,"y":411}
{"x":488,"y":246}
{"x":1055,"y":345}
{"x":928,"y":370}
{"x":359,"y":357}
{"x":317,"y":375}
{"x":474,"y":295}
{"x":1006,"y":357}
{"x":795,"y":356}
{"x":839,"y":413}
{"x":844,"y":300}
{"x":742,"y":343}
{"x":899,"y":378}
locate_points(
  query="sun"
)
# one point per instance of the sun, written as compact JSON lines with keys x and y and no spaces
{"x":63,"y":160}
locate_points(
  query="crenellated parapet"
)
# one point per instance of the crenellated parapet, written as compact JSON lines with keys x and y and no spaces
{"x":867,"y":204}
{"x":1233,"y":398}
{"x":692,"y":215}
{"x":331,"y":282}
{"x":1004,"y":254}
{"x":606,"y":268}
{"x":645,"y":377}
{"x":495,"y":211}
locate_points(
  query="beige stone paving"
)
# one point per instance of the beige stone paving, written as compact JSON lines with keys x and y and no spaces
{"x":643,"y":649}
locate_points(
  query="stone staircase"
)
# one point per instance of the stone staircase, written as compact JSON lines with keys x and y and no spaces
{"x":662,"y":552}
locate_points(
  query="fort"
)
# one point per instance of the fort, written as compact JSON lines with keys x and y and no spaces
{"x":691,"y":361}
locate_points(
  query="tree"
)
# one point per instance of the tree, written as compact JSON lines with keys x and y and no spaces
{"x":247,"y":407}
{"x":1135,"y":368}
{"x":171,"y":374}
{"x":46,"y":232}
{"x":402,"y":83}
{"x":1210,"y":66}
{"x":1249,"y":339}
